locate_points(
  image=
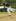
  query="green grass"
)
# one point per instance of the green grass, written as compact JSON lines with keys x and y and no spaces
{"x":3,"y":12}
{"x":6,"y":13}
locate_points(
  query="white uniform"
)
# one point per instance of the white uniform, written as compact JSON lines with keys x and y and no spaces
{"x":8,"y":10}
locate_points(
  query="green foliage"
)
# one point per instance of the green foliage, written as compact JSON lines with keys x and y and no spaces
{"x":1,"y":0}
{"x":13,"y":5}
{"x":8,"y":0}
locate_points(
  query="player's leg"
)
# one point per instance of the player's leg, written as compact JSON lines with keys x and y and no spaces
{"x":9,"y":12}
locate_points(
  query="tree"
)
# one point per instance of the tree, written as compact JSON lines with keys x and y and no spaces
{"x":8,"y":0}
{"x":2,"y":0}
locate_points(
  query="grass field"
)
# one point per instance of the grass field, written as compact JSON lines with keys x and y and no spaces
{"x":6,"y":13}
{"x":7,"y":18}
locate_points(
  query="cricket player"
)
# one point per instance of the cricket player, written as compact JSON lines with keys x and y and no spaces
{"x":8,"y":10}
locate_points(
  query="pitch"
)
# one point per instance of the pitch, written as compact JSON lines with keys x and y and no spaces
{"x":4,"y":17}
